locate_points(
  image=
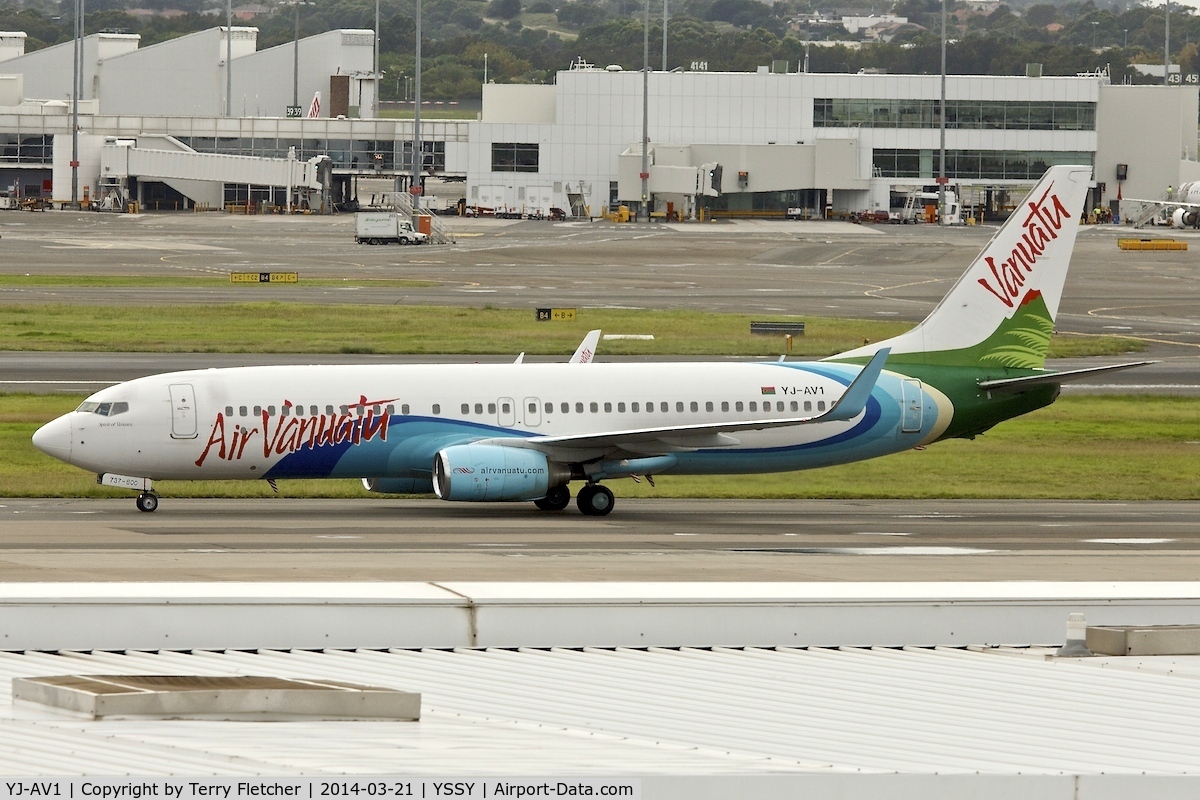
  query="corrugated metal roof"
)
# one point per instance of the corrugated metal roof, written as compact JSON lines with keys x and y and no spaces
{"x":648,"y":712}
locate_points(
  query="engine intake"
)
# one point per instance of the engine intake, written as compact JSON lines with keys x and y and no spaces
{"x":490,"y":473}
{"x":1185,"y":218}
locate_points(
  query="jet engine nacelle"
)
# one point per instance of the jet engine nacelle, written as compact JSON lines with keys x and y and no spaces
{"x":487,"y":473}
{"x":398,"y":485}
{"x":1185,"y":218}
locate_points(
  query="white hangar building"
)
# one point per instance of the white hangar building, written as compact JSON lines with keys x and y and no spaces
{"x":735,"y":142}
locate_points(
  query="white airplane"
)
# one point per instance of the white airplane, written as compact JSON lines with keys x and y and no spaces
{"x":517,"y":432}
{"x":1182,"y":205}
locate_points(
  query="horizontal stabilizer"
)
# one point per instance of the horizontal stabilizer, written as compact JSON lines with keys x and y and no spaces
{"x":1029,"y":381}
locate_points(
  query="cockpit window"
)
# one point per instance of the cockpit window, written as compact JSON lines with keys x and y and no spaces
{"x":103,"y":409}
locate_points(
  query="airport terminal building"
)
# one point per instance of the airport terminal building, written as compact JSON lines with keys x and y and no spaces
{"x":759,"y":142}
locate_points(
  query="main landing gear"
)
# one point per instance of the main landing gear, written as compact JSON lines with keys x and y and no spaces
{"x":595,"y":500}
{"x":556,"y":499}
{"x":147,"y":501}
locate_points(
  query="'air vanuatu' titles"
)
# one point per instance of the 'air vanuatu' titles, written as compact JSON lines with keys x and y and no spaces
{"x":292,"y":433}
{"x":1042,"y":225}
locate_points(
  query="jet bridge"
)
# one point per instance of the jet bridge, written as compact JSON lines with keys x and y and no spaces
{"x":198,"y":176}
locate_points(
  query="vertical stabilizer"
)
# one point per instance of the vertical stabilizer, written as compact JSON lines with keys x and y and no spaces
{"x":1001,"y":311}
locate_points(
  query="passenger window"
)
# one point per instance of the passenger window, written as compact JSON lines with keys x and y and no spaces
{"x":779,"y":405}
{"x":258,"y":411}
{"x":404,"y":409}
{"x":285,"y":411}
{"x":533,"y":408}
{"x":312,"y":410}
{"x":820,"y":405}
{"x":437,"y":408}
{"x":549,"y":408}
{"x":229,"y":411}
{"x":466,"y":409}
{"x":345,"y":410}
{"x":391,"y":409}
{"x":300,"y":411}
{"x":241,"y":411}
{"x":270,"y":411}
{"x":708,"y":406}
{"x":491,"y":408}
{"x":579,"y":408}
{"x":505,"y":408}
{"x":808,"y":405}
{"x":479,"y":408}
{"x":725,"y":405}
{"x":374,"y":410}
{"x":633,"y":407}
{"x":795,"y":406}
{"x":329,"y":410}
{"x":620,"y":408}
{"x":679,"y":405}
{"x":695,"y":406}
{"x":753,"y":405}
{"x":608,"y":408}
{"x":565,"y":408}
{"x":360,"y":410}
{"x":594,"y":407}
{"x":738,"y":405}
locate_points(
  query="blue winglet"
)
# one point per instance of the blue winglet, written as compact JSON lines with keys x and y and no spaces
{"x":854,"y":400}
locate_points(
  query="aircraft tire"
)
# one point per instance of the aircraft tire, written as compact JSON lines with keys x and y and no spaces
{"x":595,"y":500}
{"x":558,"y":498}
{"x":147,"y":501}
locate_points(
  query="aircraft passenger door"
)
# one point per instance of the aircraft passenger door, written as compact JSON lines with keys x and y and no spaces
{"x":912,"y":407}
{"x":507,"y":412}
{"x":533,"y":413}
{"x":183,"y":411}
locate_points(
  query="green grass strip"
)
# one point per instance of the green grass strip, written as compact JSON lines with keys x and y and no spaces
{"x":280,"y":327}
{"x":1081,"y":448}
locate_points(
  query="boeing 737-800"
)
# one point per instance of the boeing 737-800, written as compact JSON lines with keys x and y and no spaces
{"x":519,"y":431}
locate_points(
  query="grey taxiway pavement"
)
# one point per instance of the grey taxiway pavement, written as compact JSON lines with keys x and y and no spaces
{"x":658,"y":540}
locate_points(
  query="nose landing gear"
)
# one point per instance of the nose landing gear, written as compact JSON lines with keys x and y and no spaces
{"x":147,"y":501}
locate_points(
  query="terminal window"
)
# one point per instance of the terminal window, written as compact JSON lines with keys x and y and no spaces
{"x":514,"y":157}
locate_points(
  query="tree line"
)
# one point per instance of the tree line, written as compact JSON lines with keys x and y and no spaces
{"x":528,"y":41}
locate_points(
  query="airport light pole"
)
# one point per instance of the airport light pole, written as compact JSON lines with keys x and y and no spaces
{"x":1167,"y":49}
{"x":1095,"y":25}
{"x":942,"y":129}
{"x":375,"y":68}
{"x":415,"y":188}
{"x":228,"y":58}
{"x":664,"y":69}
{"x":644,"y":212}
{"x":76,"y":82}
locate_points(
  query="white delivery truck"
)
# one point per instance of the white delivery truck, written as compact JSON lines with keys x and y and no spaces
{"x":385,"y":227}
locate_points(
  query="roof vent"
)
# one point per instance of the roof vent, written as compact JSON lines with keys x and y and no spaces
{"x":224,"y":698}
{"x":1144,"y":640}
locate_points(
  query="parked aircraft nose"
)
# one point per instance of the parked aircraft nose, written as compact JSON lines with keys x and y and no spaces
{"x":54,"y":438}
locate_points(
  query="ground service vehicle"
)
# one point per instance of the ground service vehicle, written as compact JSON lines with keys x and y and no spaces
{"x":385,"y":227}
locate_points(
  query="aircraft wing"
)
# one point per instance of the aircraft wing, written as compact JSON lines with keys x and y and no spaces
{"x":679,"y":438}
{"x":1163,"y":203}
{"x":1010,"y":385}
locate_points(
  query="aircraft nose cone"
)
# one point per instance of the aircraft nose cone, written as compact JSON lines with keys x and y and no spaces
{"x":54,"y":438}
